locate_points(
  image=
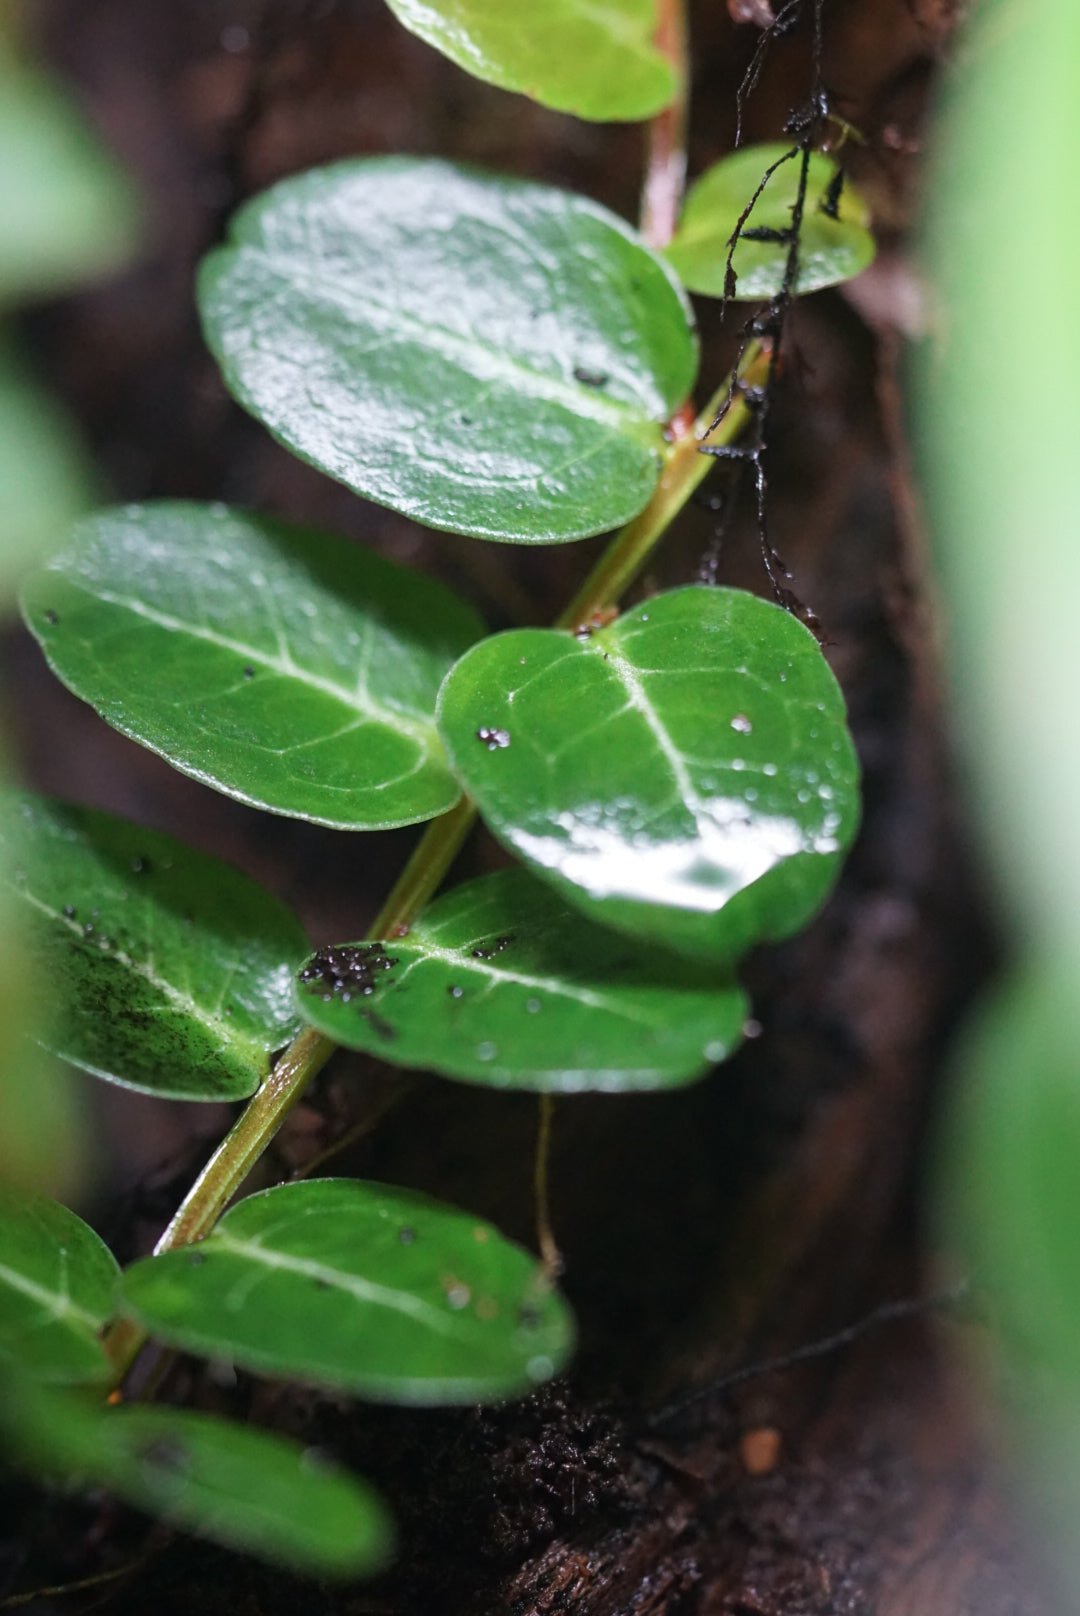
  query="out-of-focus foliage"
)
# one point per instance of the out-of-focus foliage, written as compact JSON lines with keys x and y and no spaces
{"x":1001,"y":417}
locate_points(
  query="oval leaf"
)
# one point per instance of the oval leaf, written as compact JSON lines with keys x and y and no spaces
{"x":834,"y":242}
{"x":169,"y":971}
{"x":485,"y":355}
{"x":374,"y":1290}
{"x":685,"y":774}
{"x":287,"y":668}
{"x":68,"y":211}
{"x":500,"y":983}
{"x":598,"y":62}
{"x":56,"y":1289}
{"x":238,"y":1486}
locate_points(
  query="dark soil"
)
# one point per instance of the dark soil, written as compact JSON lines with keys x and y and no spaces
{"x":703,"y":1232}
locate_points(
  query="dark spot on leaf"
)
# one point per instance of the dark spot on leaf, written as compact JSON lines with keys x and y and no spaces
{"x":347,"y":971}
{"x":164,"y":1454}
{"x":590,"y":378}
{"x":529,"y":1317}
{"x":766,"y":232}
{"x":383,"y":1028}
{"x":51,"y":618}
{"x":141,"y":866}
{"x":249,"y":673}
{"x":486,"y":951}
{"x":493,"y":739}
{"x":321,"y":1284}
{"x":406,"y":1236}
{"x":196,"y":1258}
{"x":456,"y":992}
{"x":70,"y":911}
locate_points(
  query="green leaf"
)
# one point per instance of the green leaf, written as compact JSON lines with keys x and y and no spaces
{"x":68,"y":211}
{"x":371,"y":1289}
{"x":236,"y":1485}
{"x":44,"y":477}
{"x":597,"y":62}
{"x":486,"y":355}
{"x":169,"y":971}
{"x":56,"y":1289}
{"x":1016,"y":1148}
{"x":500,"y":983}
{"x":684,"y":775}
{"x":831,"y":249}
{"x":285,"y":667}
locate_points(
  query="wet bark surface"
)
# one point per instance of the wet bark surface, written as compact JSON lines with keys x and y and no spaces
{"x":705,"y":1232}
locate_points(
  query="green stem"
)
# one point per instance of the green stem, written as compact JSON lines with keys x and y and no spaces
{"x":433,"y":854}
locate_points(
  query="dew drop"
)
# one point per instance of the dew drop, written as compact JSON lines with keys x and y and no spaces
{"x":532,"y":1006}
{"x":540,"y":1367}
{"x":406,"y":1236}
{"x":493,"y":739}
{"x":458,"y":1296}
{"x":715,"y":1050}
{"x":804,"y":796}
{"x":487,"y":1050}
{"x":741,"y":723}
{"x":752,"y":1028}
{"x":455,"y":992}
{"x":769,"y":769}
{"x":217,"y":508}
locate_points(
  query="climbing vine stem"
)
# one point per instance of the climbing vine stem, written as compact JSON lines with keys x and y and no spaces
{"x":722,"y":419}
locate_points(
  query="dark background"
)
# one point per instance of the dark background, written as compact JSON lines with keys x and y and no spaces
{"x":704,"y":1232}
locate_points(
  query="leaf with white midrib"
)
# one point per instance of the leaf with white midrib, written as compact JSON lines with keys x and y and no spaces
{"x":168,"y":970}
{"x":290,"y":669}
{"x":501,"y":983}
{"x":56,"y":1289}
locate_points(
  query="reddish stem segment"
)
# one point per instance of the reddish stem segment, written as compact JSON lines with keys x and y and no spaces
{"x":665,"y":172}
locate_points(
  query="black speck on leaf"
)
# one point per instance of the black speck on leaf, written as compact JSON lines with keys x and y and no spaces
{"x":51,"y":618}
{"x":590,"y":378}
{"x":249,"y":673}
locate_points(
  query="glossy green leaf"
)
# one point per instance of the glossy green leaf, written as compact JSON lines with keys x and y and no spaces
{"x":285,"y":667}
{"x":168,"y":971}
{"x":501,"y":983}
{"x":44,"y":479}
{"x":56,"y":1289}
{"x":595,"y":61}
{"x":371,"y":1289}
{"x":684,"y":775}
{"x":834,"y":244}
{"x":229,"y":1482}
{"x":486,"y":355}
{"x":68,"y":211}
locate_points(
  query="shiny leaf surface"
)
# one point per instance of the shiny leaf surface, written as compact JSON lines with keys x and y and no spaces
{"x":595,"y":61}
{"x":501,"y":983}
{"x":56,"y":1289}
{"x":168,"y":971}
{"x":834,"y":243}
{"x":68,"y":211}
{"x":486,"y":355}
{"x":374,"y":1290}
{"x":285,"y":667}
{"x":228,"y":1482}
{"x":685,"y":774}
